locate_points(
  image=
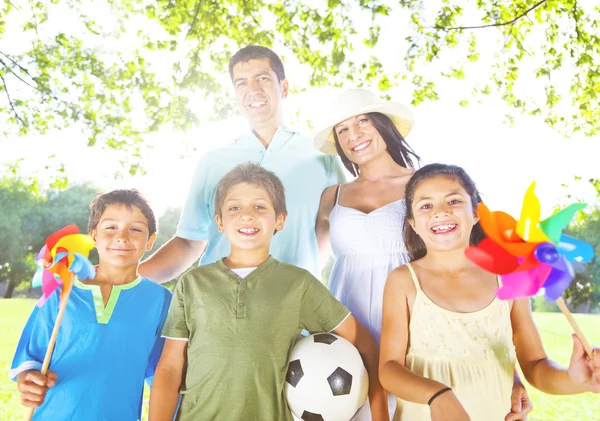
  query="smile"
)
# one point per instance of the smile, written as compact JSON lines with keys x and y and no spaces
{"x":257,"y":104}
{"x":361,"y":146}
{"x":248,"y":230}
{"x":444,"y":229}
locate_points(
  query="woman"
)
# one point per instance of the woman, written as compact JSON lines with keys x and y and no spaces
{"x":364,"y":217}
{"x":362,"y":220}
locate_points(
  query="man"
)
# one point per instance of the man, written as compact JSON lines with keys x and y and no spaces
{"x":260,"y":86}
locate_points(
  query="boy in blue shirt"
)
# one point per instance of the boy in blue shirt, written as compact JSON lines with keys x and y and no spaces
{"x":109,"y":340}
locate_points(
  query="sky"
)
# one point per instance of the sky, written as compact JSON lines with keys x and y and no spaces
{"x":502,"y":160}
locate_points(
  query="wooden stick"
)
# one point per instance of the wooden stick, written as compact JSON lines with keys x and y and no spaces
{"x":52,"y":342}
{"x":563,"y":307}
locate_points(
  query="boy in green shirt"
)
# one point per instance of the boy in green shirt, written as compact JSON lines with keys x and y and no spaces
{"x":232,"y":324}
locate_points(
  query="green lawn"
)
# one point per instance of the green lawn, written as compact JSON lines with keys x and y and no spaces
{"x":554,"y":329}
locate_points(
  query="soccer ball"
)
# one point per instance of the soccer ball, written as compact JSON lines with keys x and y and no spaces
{"x":326,"y":379}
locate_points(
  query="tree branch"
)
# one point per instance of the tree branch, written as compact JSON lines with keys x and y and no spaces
{"x":18,"y":65}
{"x":510,"y":22}
{"x":10,"y":101}
{"x":250,"y":13}
{"x":17,"y":76}
{"x":50,"y":95}
{"x":195,"y":18}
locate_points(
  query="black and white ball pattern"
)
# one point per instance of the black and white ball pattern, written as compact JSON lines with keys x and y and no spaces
{"x":326,"y":379}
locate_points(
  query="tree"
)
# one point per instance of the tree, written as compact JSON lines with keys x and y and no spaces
{"x":585,"y":289}
{"x":18,"y":224}
{"x":167,"y":226}
{"x":28,"y":219}
{"x":116,"y":95}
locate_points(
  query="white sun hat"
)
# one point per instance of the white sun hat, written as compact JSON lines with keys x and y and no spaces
{"x":354,"y":102}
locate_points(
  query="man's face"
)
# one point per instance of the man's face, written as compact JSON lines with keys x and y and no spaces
{"x":258,"y":91}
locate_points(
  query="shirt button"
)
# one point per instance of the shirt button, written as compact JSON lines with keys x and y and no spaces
{"x":241,"y":292}
{"x":240,"y":305}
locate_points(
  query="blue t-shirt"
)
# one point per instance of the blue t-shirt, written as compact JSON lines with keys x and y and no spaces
{"x":102,"y":353}
{"x":305,"y":173}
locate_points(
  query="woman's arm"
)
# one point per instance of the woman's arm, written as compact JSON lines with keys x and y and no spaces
{"x":361,"y":338}
{"x":583,"y":373}
{"x":322,"y":225}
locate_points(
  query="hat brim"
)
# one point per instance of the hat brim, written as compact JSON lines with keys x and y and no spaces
{"x":400,"y":115}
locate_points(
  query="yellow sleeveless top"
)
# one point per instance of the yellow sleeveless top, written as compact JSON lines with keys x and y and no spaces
{"x":473,"y":353}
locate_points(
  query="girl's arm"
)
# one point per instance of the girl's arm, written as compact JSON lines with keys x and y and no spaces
{"x":393,"y":374}
{"x":361,"y":338}
{"x":582,"y":375}
{"x":168,"y":377}
{"x":322,"y":226}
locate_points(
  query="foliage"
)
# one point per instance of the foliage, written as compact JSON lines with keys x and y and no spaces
{"x":28,"y":219}
{"x":106,"y":72}
{"x":585,"y":289}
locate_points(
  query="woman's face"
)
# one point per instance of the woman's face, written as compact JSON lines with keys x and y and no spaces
{"x":359,"y":139}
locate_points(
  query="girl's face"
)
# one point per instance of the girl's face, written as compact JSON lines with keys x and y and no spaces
{"x":359,"y":139}
{"x":443,"y":214}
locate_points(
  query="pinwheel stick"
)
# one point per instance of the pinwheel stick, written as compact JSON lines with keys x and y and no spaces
{"x":61,"y":311}
{"x":563,"y":307}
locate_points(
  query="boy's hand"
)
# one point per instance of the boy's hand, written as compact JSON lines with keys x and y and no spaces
{"x":446,"y":407}
{"x":520,"y":404}
{"x":33,"y":385}
{"x":584,"y":370}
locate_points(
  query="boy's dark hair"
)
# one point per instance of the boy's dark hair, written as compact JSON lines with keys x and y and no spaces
{"x":125,"y":197}
{"x":397,"y":146}
{"x":257,"y":176}
{"x":257,"y":52}
{"x":414,"y":244}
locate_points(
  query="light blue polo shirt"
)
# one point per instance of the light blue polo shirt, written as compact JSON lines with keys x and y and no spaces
{"x":305,"y":173}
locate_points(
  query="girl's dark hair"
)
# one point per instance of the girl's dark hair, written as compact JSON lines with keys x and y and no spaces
{"x":397,"y":146}
{"x":414,"y":244}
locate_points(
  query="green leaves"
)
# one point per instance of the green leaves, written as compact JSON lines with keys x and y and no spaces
{"x":180,"y":51}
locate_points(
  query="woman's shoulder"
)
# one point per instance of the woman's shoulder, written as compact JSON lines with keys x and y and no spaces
{"x":328,"y":199}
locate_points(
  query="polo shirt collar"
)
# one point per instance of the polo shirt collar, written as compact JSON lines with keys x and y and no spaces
{"x":256,"y":272}
{"x":280,"y":138}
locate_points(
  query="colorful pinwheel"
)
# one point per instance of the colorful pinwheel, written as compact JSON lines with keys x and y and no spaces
{"x":63,"y":257}
{"x":530,"y":254}
{"x":64,"y":253}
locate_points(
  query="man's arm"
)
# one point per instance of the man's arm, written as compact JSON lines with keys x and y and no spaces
{"x":172,"y":259}
{"x":164,"y":395}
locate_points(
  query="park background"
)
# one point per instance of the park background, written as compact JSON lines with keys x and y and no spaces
{"x":99,"y":94}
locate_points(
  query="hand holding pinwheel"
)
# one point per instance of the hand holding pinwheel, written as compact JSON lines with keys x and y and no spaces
{"x":63,"y":257}
{"x":530,"y":254}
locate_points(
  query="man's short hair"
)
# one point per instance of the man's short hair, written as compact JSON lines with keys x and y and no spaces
{"x":257,"y":52}
{"x":124,"y":197}
{"x":257,"y":176}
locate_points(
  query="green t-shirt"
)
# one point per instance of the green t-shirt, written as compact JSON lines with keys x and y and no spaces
{"x":240,"y":333}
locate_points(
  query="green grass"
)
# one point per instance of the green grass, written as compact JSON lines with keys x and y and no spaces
{"x":553,"y":327}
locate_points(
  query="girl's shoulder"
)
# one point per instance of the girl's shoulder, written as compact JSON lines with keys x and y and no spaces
{"x":401,"y":280}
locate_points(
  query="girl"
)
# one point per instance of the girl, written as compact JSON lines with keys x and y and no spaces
{"x":446,"y":340}
{"x":365,"y":217}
